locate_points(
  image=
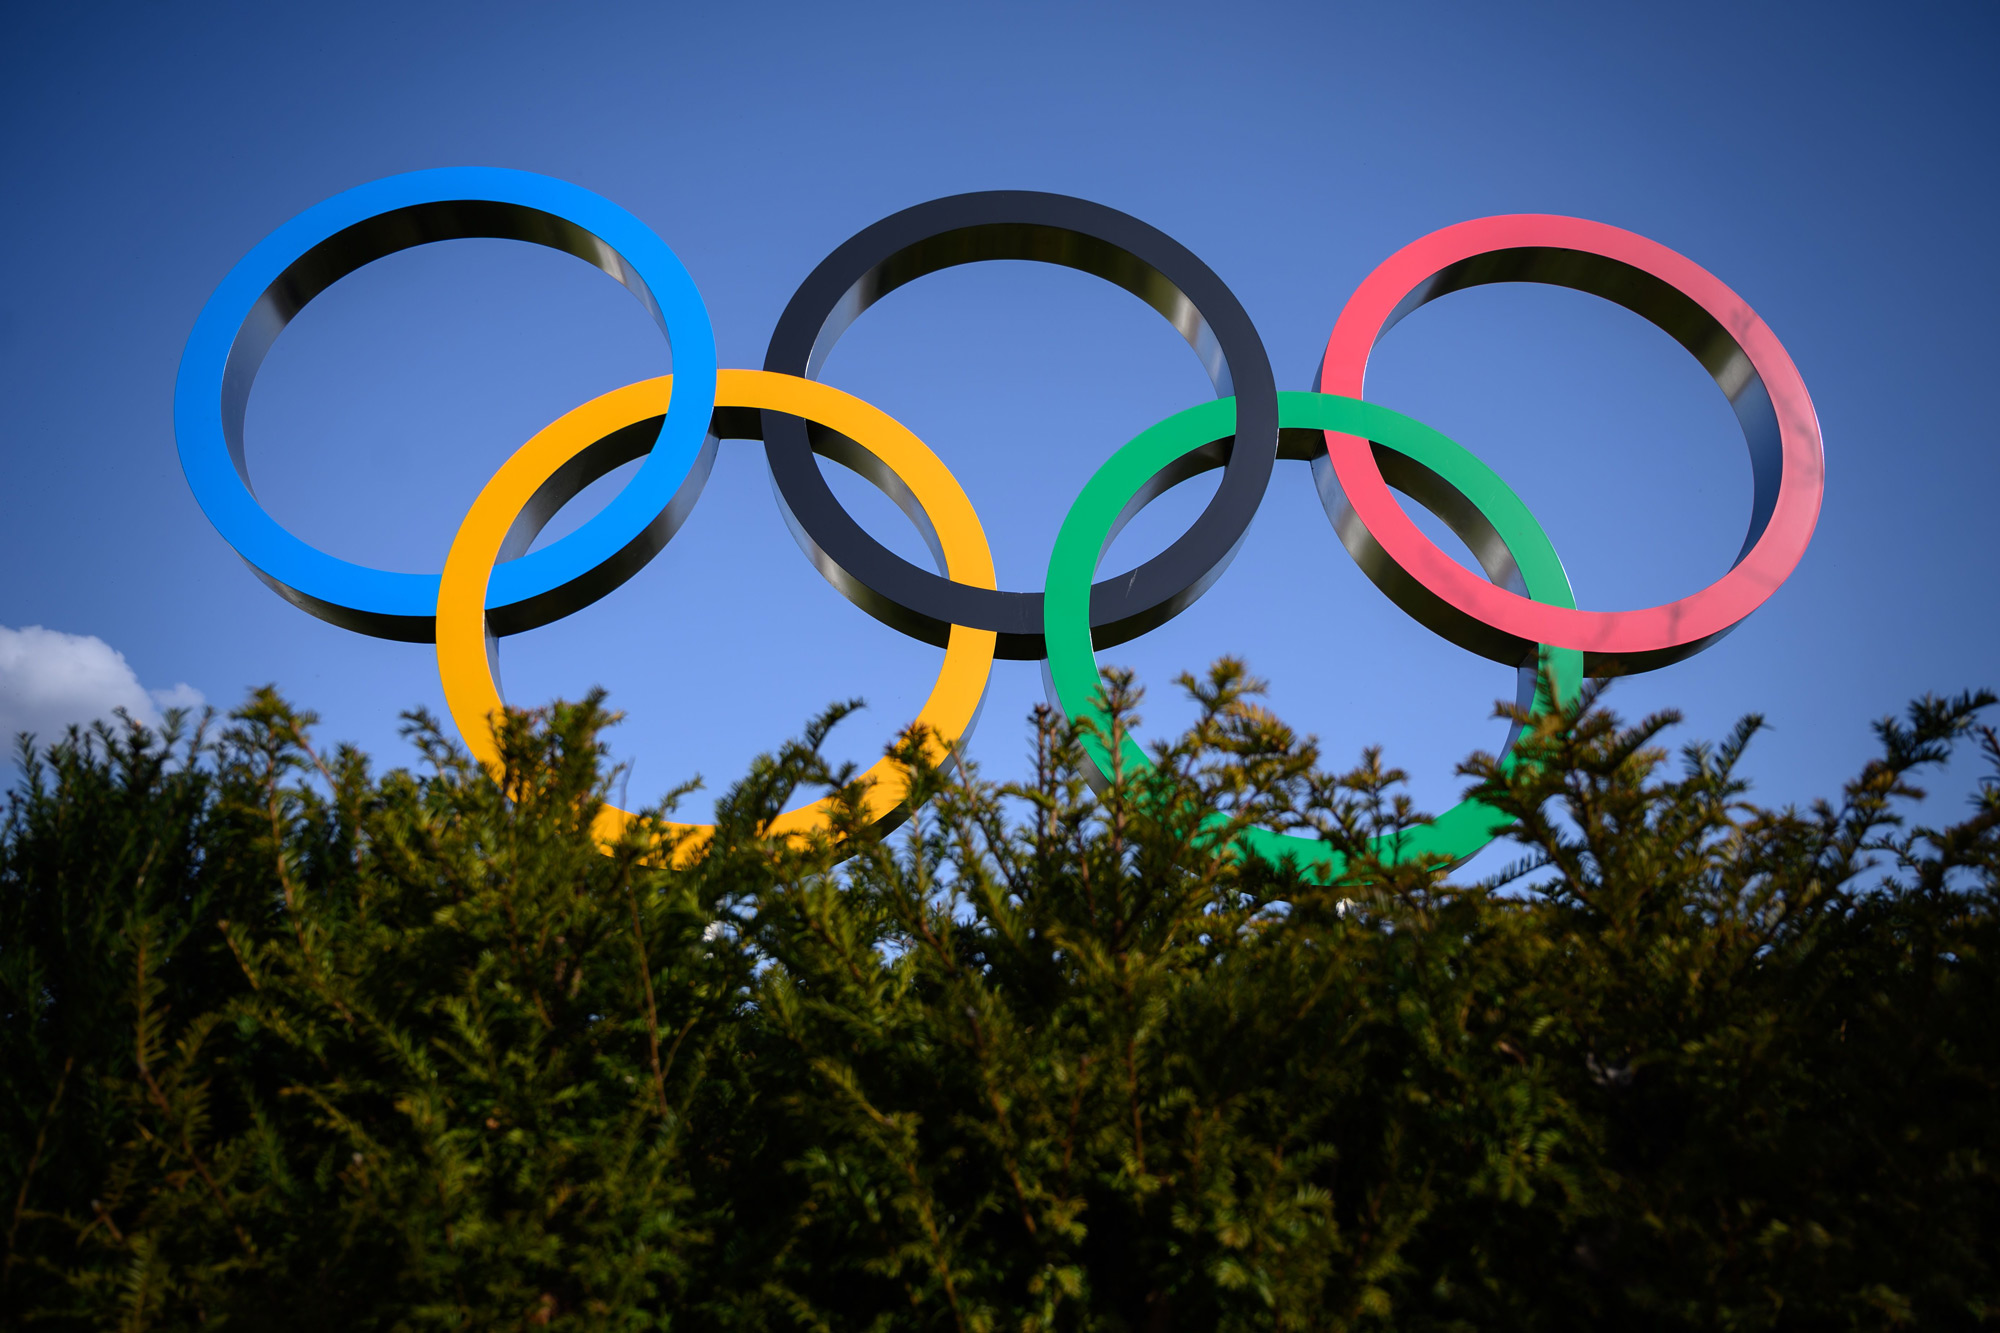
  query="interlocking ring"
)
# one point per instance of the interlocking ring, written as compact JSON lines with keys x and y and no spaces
{"x":1053,"y":229}
{"x":584,"y":445}
{"x":325,"y":243}
{"x":1684,"y":301}
{"x":1426,"y":466}
{"x":1522,"y":613}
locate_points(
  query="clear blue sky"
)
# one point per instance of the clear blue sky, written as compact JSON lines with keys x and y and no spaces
{"x":1836,"y":166}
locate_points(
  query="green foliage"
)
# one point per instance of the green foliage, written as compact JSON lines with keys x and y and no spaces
{"x":290,"y":1045}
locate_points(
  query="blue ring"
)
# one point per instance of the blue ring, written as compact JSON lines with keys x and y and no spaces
{"x":307,"y":254}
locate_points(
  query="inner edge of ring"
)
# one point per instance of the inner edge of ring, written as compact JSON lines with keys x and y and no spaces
{"x":362,"y":243}
{"x":1045,"y":243}
{"x":1667,"y":308}
{"x":1403,"y":473}
{"x":633,"y":440}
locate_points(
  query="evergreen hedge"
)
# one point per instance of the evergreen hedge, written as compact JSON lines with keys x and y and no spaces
{"x":291,"y":1045}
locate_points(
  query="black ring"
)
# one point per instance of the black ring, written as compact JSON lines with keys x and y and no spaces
{"x":1052,"y":229}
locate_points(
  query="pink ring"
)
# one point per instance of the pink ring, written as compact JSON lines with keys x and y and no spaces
{"x":1694,"y":308}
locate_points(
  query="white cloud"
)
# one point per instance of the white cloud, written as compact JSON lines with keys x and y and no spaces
{"x":49,"y":679}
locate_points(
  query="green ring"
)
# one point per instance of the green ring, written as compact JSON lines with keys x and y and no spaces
{"x":1438,"y":473}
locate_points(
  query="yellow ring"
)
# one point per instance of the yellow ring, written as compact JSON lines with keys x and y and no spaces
{"x":472,"y":693}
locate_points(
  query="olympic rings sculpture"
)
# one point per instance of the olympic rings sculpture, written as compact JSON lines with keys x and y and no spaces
{"x":1522,"y":613}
